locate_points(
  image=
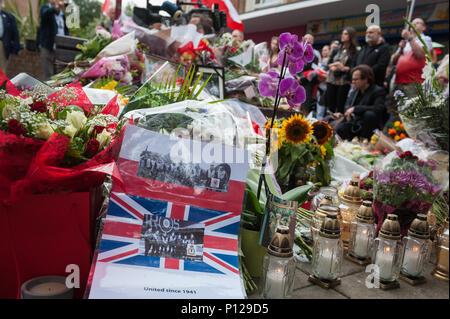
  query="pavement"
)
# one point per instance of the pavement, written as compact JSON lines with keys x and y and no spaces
{"x":353,"y":285}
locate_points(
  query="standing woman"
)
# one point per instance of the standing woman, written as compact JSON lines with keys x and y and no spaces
{"x":325,"y":56}
{"x":273,"y":53}
{"x":339,"y":66}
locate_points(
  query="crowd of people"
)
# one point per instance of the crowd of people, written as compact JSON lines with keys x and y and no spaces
{"x":353,"y":87}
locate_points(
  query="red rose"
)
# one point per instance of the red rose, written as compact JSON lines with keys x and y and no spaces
{"x":39,"y":107}
{"x":97,"y":130}
{"x":233,"y":49}
{"x":14,"y":127}
{"x":91,"y":148}
{"x":180,"y":82}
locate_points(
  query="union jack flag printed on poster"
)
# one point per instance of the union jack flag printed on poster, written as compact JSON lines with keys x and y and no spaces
{"x":159,"y":248}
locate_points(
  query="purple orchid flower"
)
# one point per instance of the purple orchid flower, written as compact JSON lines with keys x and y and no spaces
{"x":308,"y":52}
{"x":292,"y":91}
{"x":294,"y":51}
{"x":268,"y":84}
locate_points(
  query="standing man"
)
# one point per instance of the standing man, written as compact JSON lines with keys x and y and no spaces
{"x":52,"y":23}
{"x":375,"y":54}
{"x":9,"y":37}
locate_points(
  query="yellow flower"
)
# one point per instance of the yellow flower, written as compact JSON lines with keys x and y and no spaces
{"x":397,"y":137}
{"x":313,"y":164}
{"x":397,"y":124}
{"x":323,"y":150}
{"x":110,"y":86}
{"x":296,"y":129}
{"x":276,"y":139}
{"x":322,"y":131}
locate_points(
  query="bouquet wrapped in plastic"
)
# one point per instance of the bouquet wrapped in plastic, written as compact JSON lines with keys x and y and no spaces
{"x":117,"y":68}
{"x":407,"y":184}
{"x":59,"y":143}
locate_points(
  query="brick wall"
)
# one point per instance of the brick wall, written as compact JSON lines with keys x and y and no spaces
{"x":26,"y":61}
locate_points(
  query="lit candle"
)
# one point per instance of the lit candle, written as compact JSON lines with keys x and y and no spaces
{"x":48,"y":288}
{"x":274,"y":284}
{"x":361,"y":248}
{"x":325,"y":264}
{"x":384,"y":263}
{"x":411,"y":261}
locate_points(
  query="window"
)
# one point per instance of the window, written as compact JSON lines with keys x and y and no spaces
{"x":266,"y":3}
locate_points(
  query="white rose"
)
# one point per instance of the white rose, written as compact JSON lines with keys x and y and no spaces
{"x":103,"y":33}
{"x":70,"y":131}
{"x":104,"y":138}
{"x":77,"y":119}
{"x":428,"y":71}
{"x":44,"y":131}
{"x":7,"y":111}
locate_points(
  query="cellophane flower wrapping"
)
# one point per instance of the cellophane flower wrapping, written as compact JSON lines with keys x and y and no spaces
{"x":61,"y":144}
{"x":407,"y":184}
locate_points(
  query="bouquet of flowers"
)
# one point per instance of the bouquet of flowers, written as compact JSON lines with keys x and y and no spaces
{"x":406,"y":185}
{"x":397,"y":132}
{"x":304,"y":151}
{"x":57,"y":143}
{"x":425,"y":116}
{"x":117,"y":67}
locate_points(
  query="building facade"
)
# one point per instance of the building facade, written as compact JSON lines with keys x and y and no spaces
{"x":325,"y":19}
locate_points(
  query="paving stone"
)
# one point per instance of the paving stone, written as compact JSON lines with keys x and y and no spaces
{"x":353,"y":286}
{"x":316,"y":292}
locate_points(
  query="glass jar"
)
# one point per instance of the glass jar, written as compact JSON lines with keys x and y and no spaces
{"x":278,"y":269}
{"x":328,"y":250}
{"x":326,"y":195}
{"x":417,"y":246}
{"x":441,"y":270}
{"x":362,"y":231}
{"x":320,"y":215}
{"x":349,"y":205}
{"x":388,"y":250}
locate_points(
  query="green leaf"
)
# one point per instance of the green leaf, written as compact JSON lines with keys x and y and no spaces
{"x":298,"y":194}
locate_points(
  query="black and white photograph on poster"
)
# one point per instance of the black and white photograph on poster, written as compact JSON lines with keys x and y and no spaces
{"x":171,"y":238}
{"x":216,"y":84}
{"x":160,"y":167}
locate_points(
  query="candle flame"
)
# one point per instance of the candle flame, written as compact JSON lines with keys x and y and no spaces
{"x":387,"y":249}
{"x":279,"y":270}
{"x":364,"y":231}
{"x":415,"y":249}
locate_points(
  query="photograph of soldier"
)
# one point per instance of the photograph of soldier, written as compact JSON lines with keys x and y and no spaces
{"x":171,"y":238}
{"x":156,"y":166}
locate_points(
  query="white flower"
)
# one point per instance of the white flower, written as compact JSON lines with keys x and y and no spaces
{"x":8,"y":111}
{"x":128,"y":78}
{"x":428,"y":71}
{"x":77,"y":119}
{"x":104,"y":138}
{"x":103,"y":33}
{"x":70,"y":131}
{"x":44,"y":131}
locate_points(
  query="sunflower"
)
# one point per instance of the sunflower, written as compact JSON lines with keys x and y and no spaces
{"x":296,"y":129}
{"x":322,"y":131}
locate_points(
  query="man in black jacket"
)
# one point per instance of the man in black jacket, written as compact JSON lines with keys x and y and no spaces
{"x":52,"y":22}
{"x":365,"y":106}
{"x":9,"y":37}
{"x":375,"y":54}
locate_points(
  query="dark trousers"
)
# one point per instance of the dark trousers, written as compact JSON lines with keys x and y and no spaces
{"x":335,"y":97}
{"x":361,"y":127}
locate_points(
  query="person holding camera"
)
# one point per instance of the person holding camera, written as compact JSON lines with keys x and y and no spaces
{"x":52,"y":23}
{"x":339,"y":65}
{"x":365,"y":106}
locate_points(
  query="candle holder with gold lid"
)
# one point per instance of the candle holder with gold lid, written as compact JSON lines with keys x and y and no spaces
{"x":350,"y":202}
{"x":388,"y":252}
{"x":328,"y":252}
{"x":441,"y":270}
{"x":417,"y":247}
{"x":325,"y":206}
{"x":363,"y":233}
{"x":278,"y":269}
